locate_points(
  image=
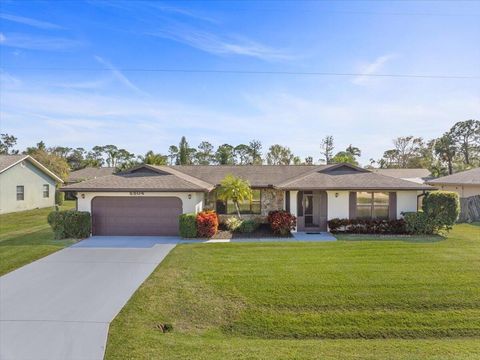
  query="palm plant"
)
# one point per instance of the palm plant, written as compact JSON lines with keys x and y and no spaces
{"x":235,"y":189}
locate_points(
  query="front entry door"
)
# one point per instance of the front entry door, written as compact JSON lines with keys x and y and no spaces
{"x":309,"y":210}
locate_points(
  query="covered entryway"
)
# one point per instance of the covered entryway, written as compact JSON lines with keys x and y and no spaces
{"x":141,"y":216}
{"x":312,"y":208}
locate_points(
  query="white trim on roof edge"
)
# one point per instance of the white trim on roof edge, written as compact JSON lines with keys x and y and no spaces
{"x":37,"y":164}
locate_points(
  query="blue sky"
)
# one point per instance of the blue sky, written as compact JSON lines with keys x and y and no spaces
{"x":70,"y":72}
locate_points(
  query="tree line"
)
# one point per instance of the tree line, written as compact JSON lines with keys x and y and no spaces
{"x":455,"y":150}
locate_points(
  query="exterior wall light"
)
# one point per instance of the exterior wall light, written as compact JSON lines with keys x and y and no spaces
{"x":336,"y":195}
{"x":189,"y":196}
{"x":83,"y":196}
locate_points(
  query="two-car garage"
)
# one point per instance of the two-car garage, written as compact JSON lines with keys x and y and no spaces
{"x":135,"y":216}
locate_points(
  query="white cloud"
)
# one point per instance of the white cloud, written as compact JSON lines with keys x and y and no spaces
{"x":119,"y":75}
{"x":372,"y":68}
{"x":46,"y":43}
{"x":141,"y":123}
{"x":152,"y":10}
{"x":217,"y":45}
{"x":29,"y":21}
{"x":8,"y":81}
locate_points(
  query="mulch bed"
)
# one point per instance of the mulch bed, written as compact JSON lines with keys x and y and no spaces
{"x":262,"y":232}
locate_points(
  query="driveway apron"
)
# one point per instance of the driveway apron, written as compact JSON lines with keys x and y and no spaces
{"x":60,"y":306}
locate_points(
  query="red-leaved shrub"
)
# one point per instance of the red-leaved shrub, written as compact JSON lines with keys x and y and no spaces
{"x":207,"y":223}
{"x":282,"y":222}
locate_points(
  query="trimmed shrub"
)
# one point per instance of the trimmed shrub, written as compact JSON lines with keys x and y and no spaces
{"x":282,"y":222}
{"x":187,"y":225}
{"x":248,"y":226}
{"x":207,"y":224}
{"x":418,"y":223}
{"x":443,"y":208}
{"x":70,"y":224}
{"x":59,"y":197}
{"x":233,"y":223}
{"x":360,"y":226}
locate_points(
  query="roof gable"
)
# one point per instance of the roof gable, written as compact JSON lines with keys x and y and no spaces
{"x":343,"y":168}
{"x":8,"y":161}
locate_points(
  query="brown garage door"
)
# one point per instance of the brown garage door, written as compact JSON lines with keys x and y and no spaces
{"x":135,"y":215}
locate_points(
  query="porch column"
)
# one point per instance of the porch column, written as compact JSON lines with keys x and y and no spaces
{"x":293,"y":204}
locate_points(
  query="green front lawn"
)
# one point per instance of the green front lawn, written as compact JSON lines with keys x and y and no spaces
{"x":390,"y":299}
{"x":26,"y":236}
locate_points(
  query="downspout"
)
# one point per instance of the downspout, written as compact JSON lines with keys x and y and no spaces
{"x":418,"y":197}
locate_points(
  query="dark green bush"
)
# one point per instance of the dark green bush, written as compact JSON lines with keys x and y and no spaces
{"x":443,"y":208}
{"x":188,"y":225}
{"x":366,"y":226}
{"x":248,"y":226}
{"x":419,"y":223}
{"x":70,"y":224}
{"x":59,"y":197}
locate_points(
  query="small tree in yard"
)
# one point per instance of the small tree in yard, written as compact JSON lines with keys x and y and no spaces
{"x":234,"y":189}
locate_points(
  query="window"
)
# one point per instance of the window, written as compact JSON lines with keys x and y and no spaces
{"x":46,"y":190}
{"x":252,"y":206}
{"x":20,"y":192}
{"x":372,"y":205}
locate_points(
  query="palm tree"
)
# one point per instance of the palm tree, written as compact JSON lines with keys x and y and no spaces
{"x":355,"y":151}
{"x":151,"y":158}
{"x":235,"y":189}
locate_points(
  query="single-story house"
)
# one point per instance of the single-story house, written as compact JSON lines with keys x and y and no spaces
{"x":25,"y":184}
{"x":467,"y":185}
{"x":86,"y":173}
{"x":417,"y":175}
{"x":147,"y":199}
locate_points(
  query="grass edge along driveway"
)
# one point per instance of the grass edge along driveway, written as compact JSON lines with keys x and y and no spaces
{"x":25,"y":236}
{"x":396,"y":299}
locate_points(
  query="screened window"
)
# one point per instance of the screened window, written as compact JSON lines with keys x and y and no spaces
{"x":46,"y":191}
{"x":228,"y":207}
{"x":20,"y":192}
{"x":372,"y":205}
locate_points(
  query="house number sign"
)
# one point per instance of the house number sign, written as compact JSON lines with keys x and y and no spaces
{"x":136,"y":193}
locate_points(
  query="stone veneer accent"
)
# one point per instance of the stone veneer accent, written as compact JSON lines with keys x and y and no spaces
{"x":271,"y":200}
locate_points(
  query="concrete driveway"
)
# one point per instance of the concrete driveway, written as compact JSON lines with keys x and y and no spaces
{"x":60,"y":307}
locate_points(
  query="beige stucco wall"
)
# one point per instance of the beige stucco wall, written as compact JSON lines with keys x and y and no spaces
{"x":406,"y":202}
{"x":463,"y":191}
{"x":192,"y":205}
{"x":33,"y":180}
{"x":338,"y":206}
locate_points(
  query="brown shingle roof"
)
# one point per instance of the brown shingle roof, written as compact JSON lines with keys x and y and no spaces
{"x":257,"y":175}
{"x":8,"y":160}
{"x":89,"y":173}
{"x":355,"y":180}
{"x":204,"y":178}
{"x":468,"y":177}
{"x":136,"y":182}
{"x":404,"y":173}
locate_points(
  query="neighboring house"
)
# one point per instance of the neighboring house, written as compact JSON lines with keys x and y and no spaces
{"x":25,"y":184}
{"x":467,"y":185}
{"x":147,"y":200}
{"x":416,"y":175}
{"x":86,"y":174}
